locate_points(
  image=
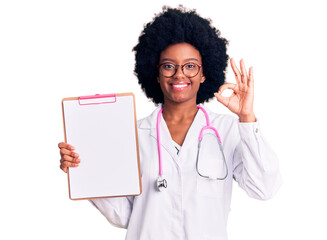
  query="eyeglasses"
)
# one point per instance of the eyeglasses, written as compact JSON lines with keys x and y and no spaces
{"x":189,"y":69}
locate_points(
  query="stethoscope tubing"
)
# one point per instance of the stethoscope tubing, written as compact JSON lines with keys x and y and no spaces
{"x":158,"y":140}
{"x":162,"y":183}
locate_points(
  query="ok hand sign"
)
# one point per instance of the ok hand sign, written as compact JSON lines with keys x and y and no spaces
{"x":241,"y":101}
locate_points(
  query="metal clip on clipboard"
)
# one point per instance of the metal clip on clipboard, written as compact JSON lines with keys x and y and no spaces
{"x":97,"y":99}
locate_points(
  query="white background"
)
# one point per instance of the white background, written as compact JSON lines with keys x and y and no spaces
{"x":64,"y":48}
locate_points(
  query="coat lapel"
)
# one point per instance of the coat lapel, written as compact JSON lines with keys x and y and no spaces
{"x":166,"y":141}
{"x":192,"y":136}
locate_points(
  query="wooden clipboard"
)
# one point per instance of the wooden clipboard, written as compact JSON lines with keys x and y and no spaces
{"x":103,"y":130}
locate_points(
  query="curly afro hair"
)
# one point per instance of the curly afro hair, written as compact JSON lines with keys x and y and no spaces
{"x":177,"y":25}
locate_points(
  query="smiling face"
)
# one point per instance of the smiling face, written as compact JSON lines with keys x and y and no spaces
{"x":180,"y":88}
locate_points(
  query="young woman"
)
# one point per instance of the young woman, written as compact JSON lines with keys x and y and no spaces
{"x":180,"y":63}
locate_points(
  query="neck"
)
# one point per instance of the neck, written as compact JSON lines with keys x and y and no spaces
{"x":179,"y":112}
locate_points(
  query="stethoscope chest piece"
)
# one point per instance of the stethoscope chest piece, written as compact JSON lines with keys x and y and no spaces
{"x":161,"y":184}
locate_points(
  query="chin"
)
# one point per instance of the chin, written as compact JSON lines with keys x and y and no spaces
{"x":180,"y":99}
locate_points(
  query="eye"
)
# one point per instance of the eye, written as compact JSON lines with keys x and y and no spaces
{"x":168,"y":66}
{"x":190,"y":66}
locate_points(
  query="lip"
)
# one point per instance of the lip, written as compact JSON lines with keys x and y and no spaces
{"x":179,"y":86}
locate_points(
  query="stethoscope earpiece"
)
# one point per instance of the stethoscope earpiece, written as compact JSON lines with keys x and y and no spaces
{"x":161,"y":184}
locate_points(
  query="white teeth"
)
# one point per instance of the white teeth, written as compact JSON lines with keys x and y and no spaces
{"x":180,"y":85}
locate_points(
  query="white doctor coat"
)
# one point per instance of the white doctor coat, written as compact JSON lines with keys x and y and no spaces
{"x":192,"y":207}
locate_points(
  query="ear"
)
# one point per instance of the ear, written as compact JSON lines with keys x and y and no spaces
{"x":158,"y":80}
{"x":203,"y":78}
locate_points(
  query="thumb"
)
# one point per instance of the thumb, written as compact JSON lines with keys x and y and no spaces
{"x":221,"y":99}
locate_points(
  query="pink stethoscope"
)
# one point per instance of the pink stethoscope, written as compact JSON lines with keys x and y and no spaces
{"x":161,"y":182}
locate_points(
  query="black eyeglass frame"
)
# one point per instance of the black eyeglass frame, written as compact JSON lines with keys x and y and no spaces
{"x":176,"y":68}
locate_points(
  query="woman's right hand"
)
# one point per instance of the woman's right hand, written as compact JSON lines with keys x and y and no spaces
{"x":68,"y":157}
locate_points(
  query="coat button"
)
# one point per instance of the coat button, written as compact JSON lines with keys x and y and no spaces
{"x":256,"y":130}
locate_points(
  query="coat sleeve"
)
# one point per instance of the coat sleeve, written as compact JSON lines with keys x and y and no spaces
{"x":255,"y":165}
{"x":117,"y":210}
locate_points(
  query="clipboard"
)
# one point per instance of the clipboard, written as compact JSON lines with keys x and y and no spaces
{"x":103,"y":130}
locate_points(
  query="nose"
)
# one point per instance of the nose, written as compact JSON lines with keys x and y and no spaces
{"x":179,"y":71}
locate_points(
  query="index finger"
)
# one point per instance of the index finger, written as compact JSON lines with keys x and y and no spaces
{"x":227,"y":86}
{"x":66,"y":145}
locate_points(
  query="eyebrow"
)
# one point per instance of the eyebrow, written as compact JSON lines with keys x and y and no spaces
{"x":188,"y":59}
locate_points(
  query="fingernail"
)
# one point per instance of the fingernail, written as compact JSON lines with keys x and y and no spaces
{"x":78,"y":161}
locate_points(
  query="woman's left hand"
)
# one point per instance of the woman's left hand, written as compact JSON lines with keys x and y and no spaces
{"x":241,"y":101}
